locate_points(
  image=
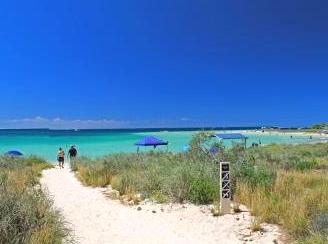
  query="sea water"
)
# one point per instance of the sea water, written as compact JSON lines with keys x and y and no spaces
{"x":95,"y":143}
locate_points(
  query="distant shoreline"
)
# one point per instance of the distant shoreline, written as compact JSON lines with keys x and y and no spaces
{"x":292,"y":133}
{"x":165,"y":129}
{"x":151,"y":129}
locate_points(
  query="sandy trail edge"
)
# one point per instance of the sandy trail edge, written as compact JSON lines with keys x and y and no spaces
{"x":97,"y":219}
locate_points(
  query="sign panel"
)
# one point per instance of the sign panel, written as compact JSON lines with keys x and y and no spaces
{"x":225,"y":187}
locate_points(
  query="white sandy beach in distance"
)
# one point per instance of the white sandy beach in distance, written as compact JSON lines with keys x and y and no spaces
{"x":95,"y":219}
{"x":288,"y":133}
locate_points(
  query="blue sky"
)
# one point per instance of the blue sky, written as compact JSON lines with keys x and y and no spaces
{"x":78,"y":63}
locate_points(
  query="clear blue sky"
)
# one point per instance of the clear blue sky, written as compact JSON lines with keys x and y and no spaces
{"x":163,"y":63}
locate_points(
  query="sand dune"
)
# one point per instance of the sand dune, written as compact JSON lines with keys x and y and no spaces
{"x":95,"y":219}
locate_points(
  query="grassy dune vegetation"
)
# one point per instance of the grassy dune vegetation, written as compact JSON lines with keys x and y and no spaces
{"x":297,"y":197}
{"x":158,"y":175}
{"x":281,"y":184}
{"x":26,"y":215}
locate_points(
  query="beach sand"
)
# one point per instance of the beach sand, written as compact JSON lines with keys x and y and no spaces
{"x":96,"y":219}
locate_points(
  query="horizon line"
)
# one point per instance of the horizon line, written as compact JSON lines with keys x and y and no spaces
{"x":163,"y":128}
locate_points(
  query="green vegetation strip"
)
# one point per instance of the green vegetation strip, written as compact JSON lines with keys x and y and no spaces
{"x":26,"y":214}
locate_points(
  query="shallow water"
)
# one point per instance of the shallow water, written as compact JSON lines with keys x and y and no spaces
{"x":94,"y":143}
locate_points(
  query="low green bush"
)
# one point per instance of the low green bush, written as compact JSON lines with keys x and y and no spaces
{"x":177,"y":185}
{"x":252,"y":174}
{"x":315,"y":238}
{"x":305,"y":164}
{"x":203,"y":190}
{"x":189,"y":176}
{"x":26,"y":214}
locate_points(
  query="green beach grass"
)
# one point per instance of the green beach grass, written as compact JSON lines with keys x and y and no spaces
{"x":296,"y":197}
{"x":162,"y":176}
{"x":26,"y":214}
{"x":281,"y":184}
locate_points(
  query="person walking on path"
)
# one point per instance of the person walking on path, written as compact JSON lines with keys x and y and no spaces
{"x":61,"y":157}
{"x":72,"y":153}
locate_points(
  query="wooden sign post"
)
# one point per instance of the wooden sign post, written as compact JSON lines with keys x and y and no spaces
{"x":225,"y":188}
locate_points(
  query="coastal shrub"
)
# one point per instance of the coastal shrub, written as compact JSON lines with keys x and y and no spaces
{"x":199,"y":146}
{"x":91,"y":173}
{"x":306,"y":164}
{"x":197,"y":142}
{"x":290,"y":157}
{"x":177,"y":186}
{"x":94,"y":176}
{"x":294,"y":201}
{"x":164,"y":175}
{"x":285,"y":185}
{"x":252,"y":174}
{"x":154,"y":178}
{"x":177,"y":176}
{"x":315,"y":238}
{"x":28,"y":217}
{"x":127,"y":183}
{"x":26,"y":214}
{"x":203,"y":190}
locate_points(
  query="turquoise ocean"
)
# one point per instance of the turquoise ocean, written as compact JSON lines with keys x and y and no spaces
{"x":96,"y":143}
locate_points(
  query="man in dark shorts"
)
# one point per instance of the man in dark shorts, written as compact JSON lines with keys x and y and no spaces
{"x":61,"y":158}
{"x":72,"y":153}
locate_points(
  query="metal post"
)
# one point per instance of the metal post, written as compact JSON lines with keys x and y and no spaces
{"x":225,"y":188}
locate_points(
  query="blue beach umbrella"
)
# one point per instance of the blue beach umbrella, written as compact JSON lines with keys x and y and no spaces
{"x":13,"y":153}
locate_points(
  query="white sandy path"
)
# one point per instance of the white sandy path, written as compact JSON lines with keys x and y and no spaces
{"x":96,"y":219}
